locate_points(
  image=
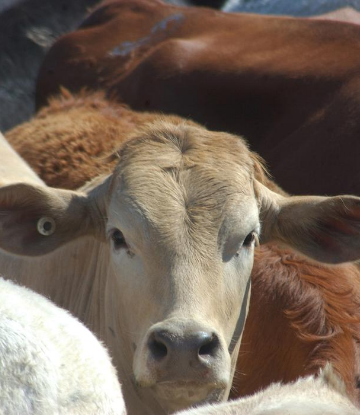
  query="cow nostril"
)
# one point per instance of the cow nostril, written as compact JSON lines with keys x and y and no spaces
{"x":210,"y":347}
{"x":158,"y":350}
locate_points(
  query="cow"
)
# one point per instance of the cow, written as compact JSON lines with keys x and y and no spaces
{"x":80,"y":151}
{"x":80,"y":154}
{"x":27,"y":29}
{"x":50,"y":362}
{"x":323,"y":395}
{"x":289,"y":85}
{"x":155,"y":257}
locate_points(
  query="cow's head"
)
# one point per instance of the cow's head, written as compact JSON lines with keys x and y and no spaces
{"x":182,"y":212}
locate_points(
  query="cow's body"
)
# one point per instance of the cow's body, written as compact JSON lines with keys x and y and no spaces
{"x":290,"y":86}
{"x":102,"y":125}
{"x":302,"y":314}
{"x":81,"y":151}
{"x":27,"y":29}
{"x":50,"y":363}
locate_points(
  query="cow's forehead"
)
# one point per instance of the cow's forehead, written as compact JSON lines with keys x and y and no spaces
{"x":181,"y":177}
{"x":184,"y":164}
{"x":173,"y":143}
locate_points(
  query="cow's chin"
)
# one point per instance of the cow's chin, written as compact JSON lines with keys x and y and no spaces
{"x":178,"y":391}
{"x":176,"y":396}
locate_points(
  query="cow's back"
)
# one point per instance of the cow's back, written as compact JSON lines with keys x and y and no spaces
{"x":82,"y":131}
{"x":290,"y":86}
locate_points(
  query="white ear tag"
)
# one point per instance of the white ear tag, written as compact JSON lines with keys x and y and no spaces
{"x":46,"y":226}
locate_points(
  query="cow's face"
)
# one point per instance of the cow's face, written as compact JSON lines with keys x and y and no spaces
{"x":182,"y":222}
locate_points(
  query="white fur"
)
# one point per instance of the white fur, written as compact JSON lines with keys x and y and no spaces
{"x":324,"y":395}
{"x":49,"y":362}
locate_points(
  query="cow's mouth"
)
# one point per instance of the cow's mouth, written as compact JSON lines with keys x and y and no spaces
{"x":178,"y":395}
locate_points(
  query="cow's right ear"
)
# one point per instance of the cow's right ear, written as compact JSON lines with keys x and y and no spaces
{"x":35,"y":220}
{"x":326,"y":229}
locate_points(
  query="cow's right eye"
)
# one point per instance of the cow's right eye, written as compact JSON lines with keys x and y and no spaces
{"x":118,"y":239}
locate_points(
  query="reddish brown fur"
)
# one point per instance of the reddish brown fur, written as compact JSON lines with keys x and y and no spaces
{"x":290,"y":86}
{"x":301,"y":315}
{"x":83,"y":131}
{"x":67,"y":142}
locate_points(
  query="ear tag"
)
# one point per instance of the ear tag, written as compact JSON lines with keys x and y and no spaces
{"x":46,"y":226}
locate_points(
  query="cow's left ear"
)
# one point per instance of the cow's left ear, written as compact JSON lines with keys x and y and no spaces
{"x":35,"y":220}
{"x":326,"y":229}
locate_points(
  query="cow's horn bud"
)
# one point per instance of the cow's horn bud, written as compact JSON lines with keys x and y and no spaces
{"x":46,"y":226}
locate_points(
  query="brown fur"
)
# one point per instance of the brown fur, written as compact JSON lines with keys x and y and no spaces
{"x":289,"y":85}
{"x":301,"y":315}
{"x":67,"y":157}
{"x":89,"y":149}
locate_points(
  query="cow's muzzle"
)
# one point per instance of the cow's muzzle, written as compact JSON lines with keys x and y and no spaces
{"x":184,"y":361}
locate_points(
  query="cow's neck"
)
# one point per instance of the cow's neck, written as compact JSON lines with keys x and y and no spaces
{"x":76,"y":282}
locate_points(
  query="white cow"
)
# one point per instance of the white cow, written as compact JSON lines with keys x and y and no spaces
{"x":156,"y":258}
{"x":49,"y":362}
{"x":13,"y":168}
{"x":322,"y":395}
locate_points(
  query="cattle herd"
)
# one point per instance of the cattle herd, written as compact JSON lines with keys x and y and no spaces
{"x":137,"y":198}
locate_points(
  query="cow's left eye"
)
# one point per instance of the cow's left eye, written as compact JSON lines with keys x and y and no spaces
{"x":118,"y":239}
{"x":249,"y":239}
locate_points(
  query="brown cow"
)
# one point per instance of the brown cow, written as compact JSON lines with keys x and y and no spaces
{"x":27,"y":30}
{"x":290,"y":86}
{"x":301,"y":315}
{"x":81,"y":151}
{"x":90,"y":126}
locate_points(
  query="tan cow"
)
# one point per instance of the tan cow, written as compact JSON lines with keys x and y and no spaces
{"x":50,"y":363}
{"x":324,"y":395}
{"x":162,"y":269}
